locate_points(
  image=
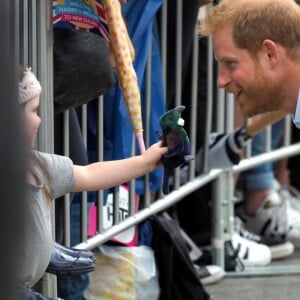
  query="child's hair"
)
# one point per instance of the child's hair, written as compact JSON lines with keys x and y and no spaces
{"x":36,"y":163}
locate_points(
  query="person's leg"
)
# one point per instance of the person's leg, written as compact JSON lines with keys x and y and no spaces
{"x":294,"y":161}
{"x":282,"y":172}
{"x":259,"y":181}
{"x":267,"y":210}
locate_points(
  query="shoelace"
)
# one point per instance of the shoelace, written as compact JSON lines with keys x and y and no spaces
{"x":234,"y":255}
{"x":279,"y":223}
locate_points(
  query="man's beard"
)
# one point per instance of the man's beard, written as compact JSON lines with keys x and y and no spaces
{"x":262,"y":95}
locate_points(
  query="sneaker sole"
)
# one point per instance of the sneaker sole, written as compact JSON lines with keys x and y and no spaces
{"x":73,"y":272}
{"x":214,"y":278}
{"x":282,"y":250}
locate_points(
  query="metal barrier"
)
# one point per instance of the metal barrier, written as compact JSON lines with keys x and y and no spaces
{"x":36,"y":48}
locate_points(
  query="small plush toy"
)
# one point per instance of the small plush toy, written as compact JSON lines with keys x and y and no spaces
{"x":176,"y":139}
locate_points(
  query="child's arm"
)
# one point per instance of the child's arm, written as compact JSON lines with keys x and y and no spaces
{"x":107,"y":174}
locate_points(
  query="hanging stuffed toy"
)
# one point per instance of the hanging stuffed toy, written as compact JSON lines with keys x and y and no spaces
{"x":176,"y":139}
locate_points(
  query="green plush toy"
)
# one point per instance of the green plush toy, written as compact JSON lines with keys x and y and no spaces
{"x":176,"y":139}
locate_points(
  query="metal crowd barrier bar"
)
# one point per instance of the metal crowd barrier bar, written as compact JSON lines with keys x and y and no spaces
{"x":67,"y":204}
{"x":245,"y":164}
{"x":156,"y":207}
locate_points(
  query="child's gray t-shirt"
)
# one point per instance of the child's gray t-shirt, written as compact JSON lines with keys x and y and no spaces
{"x":38,"y":245}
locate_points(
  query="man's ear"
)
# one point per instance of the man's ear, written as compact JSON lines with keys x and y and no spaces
{"x":270,"y":52}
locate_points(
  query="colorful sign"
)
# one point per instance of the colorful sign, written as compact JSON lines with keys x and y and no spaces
{"x":85,"y":15}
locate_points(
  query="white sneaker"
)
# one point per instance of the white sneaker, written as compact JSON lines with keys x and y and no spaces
{"x":251,"y":253}
{"x":279,"y":248}
{"x":209,"y":274}
{"x":276,"y":218}
{"x":291,"y":197}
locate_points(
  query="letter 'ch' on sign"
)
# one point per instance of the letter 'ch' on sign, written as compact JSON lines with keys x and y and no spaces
{"x":128,"y":237}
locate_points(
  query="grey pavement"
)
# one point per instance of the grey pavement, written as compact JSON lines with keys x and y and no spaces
{"x":279,"y":280}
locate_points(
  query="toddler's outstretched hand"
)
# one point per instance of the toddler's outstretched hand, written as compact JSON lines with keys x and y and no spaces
{"x":153,"y":155}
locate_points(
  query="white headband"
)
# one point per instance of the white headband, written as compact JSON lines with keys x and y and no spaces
{"x":29,"y":87}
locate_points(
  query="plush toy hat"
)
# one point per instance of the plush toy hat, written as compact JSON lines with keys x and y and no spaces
{"x":29,"y":87}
